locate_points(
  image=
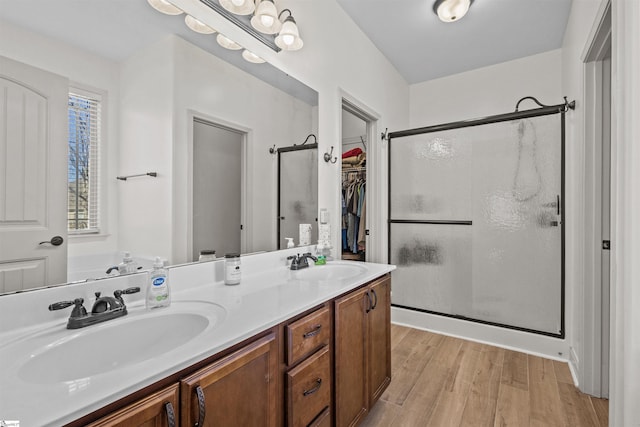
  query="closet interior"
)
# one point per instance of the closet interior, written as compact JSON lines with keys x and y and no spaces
{"x":354,"y":185}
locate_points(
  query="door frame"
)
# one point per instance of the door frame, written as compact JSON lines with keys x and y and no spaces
{"x":595,"y":299}
{"x":375,"y":247}
{"x":246,"y":215}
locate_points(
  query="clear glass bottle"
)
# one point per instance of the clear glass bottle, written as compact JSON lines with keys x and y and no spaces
{"x":232,"y":271}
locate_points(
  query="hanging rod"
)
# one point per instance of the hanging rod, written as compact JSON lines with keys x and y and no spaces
{"x":535,"y":112}
{"x":124,"y":178}
{"x":303,"y":146}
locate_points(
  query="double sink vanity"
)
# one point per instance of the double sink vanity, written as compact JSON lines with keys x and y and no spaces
{"x":284,"y":347}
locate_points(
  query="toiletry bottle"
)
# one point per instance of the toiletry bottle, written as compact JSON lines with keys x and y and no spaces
{"x":127,"y":265}
{"x":290,"y":243}
{"x":232,"y":271}
{"x":158,"y":294}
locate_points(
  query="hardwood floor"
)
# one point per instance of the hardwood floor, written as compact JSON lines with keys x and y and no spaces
{"x":444,"y":381}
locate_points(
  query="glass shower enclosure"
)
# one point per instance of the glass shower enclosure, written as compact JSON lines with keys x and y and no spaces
{"x":476,"y":220}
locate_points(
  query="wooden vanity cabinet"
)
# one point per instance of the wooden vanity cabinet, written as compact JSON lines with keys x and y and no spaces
{"x":325,"y":367}
{"x":160,"y":409}
{"x":362,"y":350}
{"x":237,"y":390}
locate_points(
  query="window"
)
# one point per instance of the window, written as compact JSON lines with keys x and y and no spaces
{"x":82,"y":171}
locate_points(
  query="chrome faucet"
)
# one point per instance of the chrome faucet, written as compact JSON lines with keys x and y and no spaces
{"x":299,"y":262}
{"x":104,"y":308}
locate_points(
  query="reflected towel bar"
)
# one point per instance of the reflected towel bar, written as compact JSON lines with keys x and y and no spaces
{"x":124,"y":178}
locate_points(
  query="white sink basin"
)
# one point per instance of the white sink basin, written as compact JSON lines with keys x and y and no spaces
{"x":105,"y":347}
{"x":331,"y":271}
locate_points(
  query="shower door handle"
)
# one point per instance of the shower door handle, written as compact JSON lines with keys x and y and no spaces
{"x":558,"y":204}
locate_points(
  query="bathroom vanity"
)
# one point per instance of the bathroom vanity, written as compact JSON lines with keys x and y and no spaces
{"x":295,"y":348}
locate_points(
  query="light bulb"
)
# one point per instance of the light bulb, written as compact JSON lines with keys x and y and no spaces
{"x":165,"y":7}
{"x":288,"y":39}
{"x":452,"y":10}
{"x":266,"y":20}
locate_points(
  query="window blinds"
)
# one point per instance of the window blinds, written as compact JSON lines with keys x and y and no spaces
{"x":84,"y":115}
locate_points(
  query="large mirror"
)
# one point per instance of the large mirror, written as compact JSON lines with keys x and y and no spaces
{"x":172,"y":105}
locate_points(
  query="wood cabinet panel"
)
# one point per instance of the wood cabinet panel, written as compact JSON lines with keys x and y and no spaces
{"x":239,"y":389}
{"x":308,"y":334}
{"x":309,"y":389}
{"x":351,"y":358}
{"x":152,"y":411}
{"x":379,"y":340}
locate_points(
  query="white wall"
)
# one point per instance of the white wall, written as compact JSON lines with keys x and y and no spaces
{"x":487,"y":91}
{"x":580,"y":22}
{"x":337,"y":60}
{"x":91,"y":72}
{"x":146,"y":141}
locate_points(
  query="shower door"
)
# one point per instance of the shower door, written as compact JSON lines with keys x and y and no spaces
{"x":297,"y":191}
{"x":476,"y":222}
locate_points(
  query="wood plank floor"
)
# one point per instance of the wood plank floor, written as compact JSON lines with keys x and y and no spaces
{"x":444,"y":381}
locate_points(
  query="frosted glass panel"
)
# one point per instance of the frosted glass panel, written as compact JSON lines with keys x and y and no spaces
{"x":516,"y":226}
{"x":430,"y":176}
{"x":298,"y":193}
{"x":505,"y":177}
{"x":434,"y":265}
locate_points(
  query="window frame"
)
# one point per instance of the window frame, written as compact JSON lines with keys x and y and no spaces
{"x":96,"y":162}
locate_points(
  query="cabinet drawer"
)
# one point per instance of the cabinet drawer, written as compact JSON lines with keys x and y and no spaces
{"x":323,"y":420}
{"x":309,"y":389}
{"x":307,"y":334}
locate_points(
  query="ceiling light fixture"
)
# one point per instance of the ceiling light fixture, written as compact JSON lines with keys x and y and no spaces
{"x":266,"y":19}
{"x":451,"y":10}
{"x":252,"y":57}
{"x":227,"y":43}
{"x":239,"y":7}
{"x":165,"y":7}
{"x":198,"y":26}
{"x":289,"y":37}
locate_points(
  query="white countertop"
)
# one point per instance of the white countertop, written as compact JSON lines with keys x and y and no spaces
{"x":262,"y":300}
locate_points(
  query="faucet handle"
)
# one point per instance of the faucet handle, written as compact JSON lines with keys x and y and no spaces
{"x":78,"y":310}
{"x":131,"y":290}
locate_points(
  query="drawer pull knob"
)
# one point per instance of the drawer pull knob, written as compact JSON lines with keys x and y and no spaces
{"x":316,"y":331}
{"x":314,"y":389}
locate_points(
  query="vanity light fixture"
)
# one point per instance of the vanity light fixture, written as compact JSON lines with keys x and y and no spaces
{"x":165,"y":7}
{"x":227,"y":43}
{"x":252,"y":57}
{"x":239,"y":7}
{"x":451,"y":10}
{"x":289,"y":37}
{"x":198,"y":26}
{"x":266,"y":19}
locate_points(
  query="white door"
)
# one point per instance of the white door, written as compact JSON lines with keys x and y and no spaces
{"x":33,"y":193}
{"x":217,"y":188}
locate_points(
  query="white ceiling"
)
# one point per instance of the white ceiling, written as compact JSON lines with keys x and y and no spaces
{"x":407,"y":32}
{"x":422,"y":47}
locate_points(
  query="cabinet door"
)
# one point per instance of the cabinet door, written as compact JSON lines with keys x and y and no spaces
{"x":351,"y":357}
{"x":238,"y":390}
{"x":157,"y":410}
{"x":379,"y":339}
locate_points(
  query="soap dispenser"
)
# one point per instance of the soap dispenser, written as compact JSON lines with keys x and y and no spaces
{"x":158,"y":294}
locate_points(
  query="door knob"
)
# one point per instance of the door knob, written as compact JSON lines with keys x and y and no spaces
{"x":55,"y":241}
